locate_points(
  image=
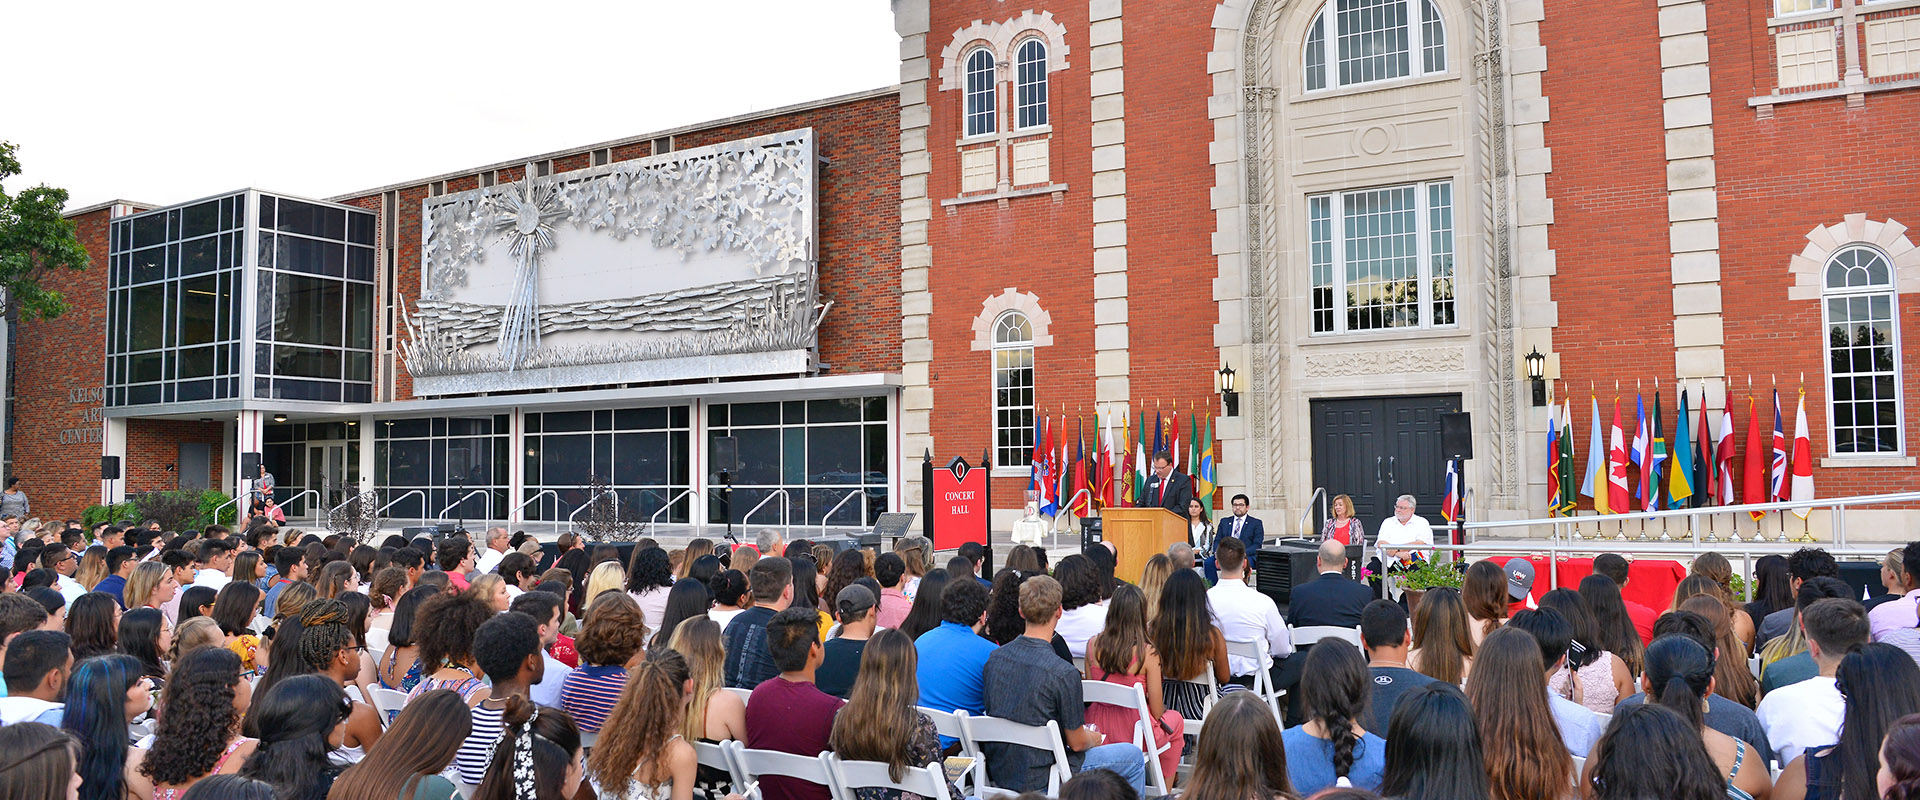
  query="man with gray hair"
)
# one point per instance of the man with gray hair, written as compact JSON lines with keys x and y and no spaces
{"x":1402,"y":533}
{"x":769,"y":542}
{"x":495,"y":549}
{"x":1181,"y":554}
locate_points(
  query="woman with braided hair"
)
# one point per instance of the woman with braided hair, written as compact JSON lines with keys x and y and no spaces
{"x":328,"y":646}
{"x":1331,"y":748}
{"x":538,"y":757}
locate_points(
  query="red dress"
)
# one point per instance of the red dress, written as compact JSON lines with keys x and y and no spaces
{"x":1118,"y":722}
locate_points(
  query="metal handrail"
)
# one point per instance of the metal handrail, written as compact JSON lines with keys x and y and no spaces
{"x":836,"y":507}
{"x":236,"y":510}
{"x":589,"y":504}
{"x":663,"y":509}
{"x":347,"y":502}
{"x":396,"y":501}
{"x":463,"y":498}
{"x":1319,"y":492}
{"x":303,"y":493}
{"x":782,"y":493}
{"x":529,"y":501}
{"x":1836,"y":507}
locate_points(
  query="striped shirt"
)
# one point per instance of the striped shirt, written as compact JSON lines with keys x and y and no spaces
{"x":477,"y":751}
{"x":589,"y":693}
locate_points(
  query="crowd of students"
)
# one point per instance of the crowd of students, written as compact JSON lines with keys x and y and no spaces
{"x":214,"y":666}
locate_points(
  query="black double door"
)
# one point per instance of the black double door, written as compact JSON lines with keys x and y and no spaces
{"x":1375,"y":449}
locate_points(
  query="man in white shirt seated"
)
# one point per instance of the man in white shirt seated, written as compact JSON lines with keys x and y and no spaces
{"x":545,"y":607}
{"x":38,"y":663}
{"x":495,"y":550}
{"x":1244,"y":614}
{"x":64,"y":563}
{"x":1807,"y":714}
{"x":1580,"y":728}
{"x":216,"y":562}
{"x":1401,"y":537}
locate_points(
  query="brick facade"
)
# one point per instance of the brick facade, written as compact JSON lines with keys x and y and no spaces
{"x":56,"y":362}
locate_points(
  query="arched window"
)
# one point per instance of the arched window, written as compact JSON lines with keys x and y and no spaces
{"x":1012,"y":390}
{"x":1030,"y":84}
{"x":1374,"y":40}
{"x":980,"y":93}
{"x":1862,"y":351}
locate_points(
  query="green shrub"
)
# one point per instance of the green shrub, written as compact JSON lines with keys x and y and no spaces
{"x":176,"y":510}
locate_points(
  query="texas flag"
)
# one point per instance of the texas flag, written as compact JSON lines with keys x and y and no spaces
{"x":1450,"y":505}
{"x":1802,"y":458}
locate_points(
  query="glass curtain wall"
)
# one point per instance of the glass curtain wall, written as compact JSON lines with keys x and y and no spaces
{"x":640,"y":453}
{"x":314,"y":328}
{"x":444,"y":458}
{"x":817,"y":450}
{"x":171,"y":303}
{"x":322,"y":456}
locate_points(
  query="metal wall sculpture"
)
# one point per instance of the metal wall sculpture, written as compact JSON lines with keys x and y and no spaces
{"x":696,"y":263}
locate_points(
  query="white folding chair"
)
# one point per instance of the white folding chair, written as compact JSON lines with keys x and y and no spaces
{"x":981,"y":730}
{"x":754,"y":764}
{"x":1135,"y":698}
{"x":1753,"y":666}
{"x":930,"y":781}
{"x":377,"y":641}
{"x":1213,"y":689}
{"x":1262,"y":677}
{"x":1579,"y":768}
{"x":714,"y":755}
{"x":388,"y":701}
{"x":948,"y":724}
{"x":1080,"y":664}
{"x":588,"y":738}
{"x":466,"y":790}
{"x":1189,"y":728}
{"x":745,"y":694}
{"x":1312,"y":634}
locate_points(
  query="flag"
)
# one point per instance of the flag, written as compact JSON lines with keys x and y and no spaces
{"x":1173,"y":439}
{"x":1553,"y":460}
{"x":1450,"y":505}
{"x":1078,"y":501}
{"x":1594,"y":485}
{"x":1638,"y":453}
{"x":1123,"y":463}
{"x":1193,"y":454}
{"x":1756,"y":466}
{"x":1777,"y":475}
{"x":1206,"y":466}
{"x":1705,"y":476}
{"x":1680,"y":482}
{"x":1724,"y":455}
{"x":1802,"y":458}
{"x":1568,"y":500}
{"x":1140,"y":457}
{"x":1657,"y":462}
{"x":1043,"y":480}
{"x":1063,"y":472}
{"x":1618,"y":501}
{"x":1159,"y":436}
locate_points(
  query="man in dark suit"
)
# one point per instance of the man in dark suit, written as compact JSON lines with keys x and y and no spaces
{"x":1168,"y":488}
{"x":1332,"y":599}
{"x":1249,"y":530}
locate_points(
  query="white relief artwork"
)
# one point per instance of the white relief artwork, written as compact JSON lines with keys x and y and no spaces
{"x":697,"y":263}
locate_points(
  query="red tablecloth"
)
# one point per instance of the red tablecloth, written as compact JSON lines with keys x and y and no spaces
{"x":1650,"y":582}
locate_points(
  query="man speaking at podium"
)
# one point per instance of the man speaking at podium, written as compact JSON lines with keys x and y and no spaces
{"x":1168,"y":489}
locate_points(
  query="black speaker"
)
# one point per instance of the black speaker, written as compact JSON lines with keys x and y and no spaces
{"x":456,"y":464}
{"x":1291,"y":562}
{"x":249,"y":466}
{"x":1456,"y":435}
{"x":109,"y":468}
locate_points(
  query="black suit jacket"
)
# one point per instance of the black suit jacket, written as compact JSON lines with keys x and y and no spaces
{"x":1331,"y":599}
{"x":1179,"y":493}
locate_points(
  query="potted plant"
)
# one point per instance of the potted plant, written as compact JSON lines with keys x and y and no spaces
{"x":1427,"y":574}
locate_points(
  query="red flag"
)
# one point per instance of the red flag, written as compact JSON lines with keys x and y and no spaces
{"x":1617,"y":496}
{"x":1756,"y":467}
{"x":1081,"y":505}
{"x":1724,"y":456}
{"x":1706,"y":489}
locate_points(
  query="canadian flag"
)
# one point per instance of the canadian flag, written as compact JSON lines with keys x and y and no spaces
{"x":1802,"y":458}
{"x":1617,"y":466}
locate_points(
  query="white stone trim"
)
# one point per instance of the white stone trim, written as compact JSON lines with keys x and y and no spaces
{"x":1890,"y":236}
{"x":1007,"y":300}
{"x":912,"y":21}
{"x":1000,"y":38}
{"x":1693,"y":204}
{"x":1107,"y":85}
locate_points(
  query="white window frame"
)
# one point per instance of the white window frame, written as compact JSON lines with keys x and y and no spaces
{"x":1330,"y":46}
{"x":1829,"y":292}
{"x":1821,"y":7}
{"x":1045,"y":83}
{"x":1002,"y":344}
{"x":968,"y":94}
{"x":1423,"y":248}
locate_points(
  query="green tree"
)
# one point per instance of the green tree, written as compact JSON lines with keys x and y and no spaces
{"x":35,"y":242}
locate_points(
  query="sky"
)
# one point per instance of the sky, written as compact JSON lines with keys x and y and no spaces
{"x":167,"y":102}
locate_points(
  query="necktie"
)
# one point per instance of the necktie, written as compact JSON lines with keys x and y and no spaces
{"x":1162,"y":496}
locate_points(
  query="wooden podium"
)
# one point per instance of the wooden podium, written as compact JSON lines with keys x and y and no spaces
{"x":1138,"y":533}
